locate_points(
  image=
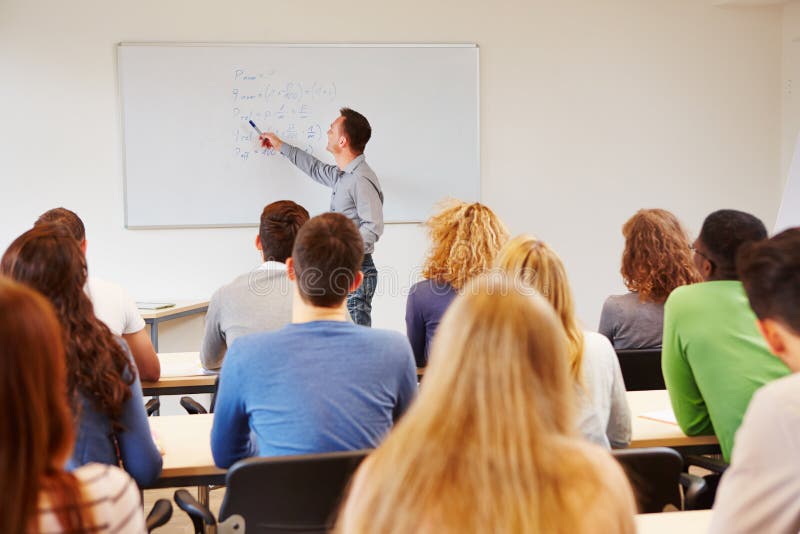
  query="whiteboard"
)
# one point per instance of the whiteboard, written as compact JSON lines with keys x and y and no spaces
{"x":192,"y":159}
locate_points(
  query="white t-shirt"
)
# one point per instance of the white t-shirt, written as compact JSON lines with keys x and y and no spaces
{"x":114,"y":306}
{"x":112,"y":496}
{"x":760,"y":491}
{"x":603,"y":379}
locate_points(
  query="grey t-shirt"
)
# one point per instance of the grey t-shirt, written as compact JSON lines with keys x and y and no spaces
{"x":258,"y":301}
{"x":631,"y":324}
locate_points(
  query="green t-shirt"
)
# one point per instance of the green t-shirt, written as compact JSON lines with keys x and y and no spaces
{"x":714,"y":358}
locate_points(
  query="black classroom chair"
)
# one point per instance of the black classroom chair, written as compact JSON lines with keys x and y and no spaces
{"x":656,"y":476}
{"x":193,"y":407}
{"x":641,"y":369}
{"x":284,"y":494}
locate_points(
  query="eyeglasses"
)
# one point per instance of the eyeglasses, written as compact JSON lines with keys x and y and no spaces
{"x":696,"y":250}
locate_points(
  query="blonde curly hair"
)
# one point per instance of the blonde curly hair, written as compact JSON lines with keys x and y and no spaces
{"x":465,"y":238}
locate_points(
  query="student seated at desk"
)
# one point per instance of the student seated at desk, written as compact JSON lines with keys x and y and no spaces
{"x":713,"y":357}
{"x":322,"y":383}
{"x":760,"y":492}
{"x":490,"y":445}
{"x":604,"y":415}
{"x":37,"y":433}
{"x":261,"y":300}
{"x":104,"y":389}
{"x":465,"y":238}
{"x":112,"y":304}
{"x":657,"y":259}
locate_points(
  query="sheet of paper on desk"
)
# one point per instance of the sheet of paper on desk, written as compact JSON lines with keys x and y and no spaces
{"x":663,"y":416}
{"x":154,"y":305}
{"x":182,"y":366}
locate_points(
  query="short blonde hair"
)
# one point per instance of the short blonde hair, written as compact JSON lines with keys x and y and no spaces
{"x":465,"y":238}
{"x":534,"y":263}
{"x":488,"y":446}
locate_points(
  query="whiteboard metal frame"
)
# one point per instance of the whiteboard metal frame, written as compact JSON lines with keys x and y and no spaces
{"x":120,"y":109}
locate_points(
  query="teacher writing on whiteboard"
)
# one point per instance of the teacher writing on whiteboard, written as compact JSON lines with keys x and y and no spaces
{"x":356,"y":193}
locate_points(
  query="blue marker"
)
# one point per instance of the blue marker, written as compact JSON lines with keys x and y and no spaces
{"x":255,"y":127}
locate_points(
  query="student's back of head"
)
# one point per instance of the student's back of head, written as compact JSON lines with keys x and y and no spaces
{"x":770,"y":273}
{"x":280,"y":223}
{"x":465,"y":239}
{"x":533,"y":263}
{"x":488,"y":446}
{"x":68,"y":218}
{"x":48,"y":259}
{"x":36,"y":435}
{"x":657,"y":256}
{"x":326,"y":259}
{"x":723,"y":232}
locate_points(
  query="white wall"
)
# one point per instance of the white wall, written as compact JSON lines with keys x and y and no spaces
{"x":590,"y":110}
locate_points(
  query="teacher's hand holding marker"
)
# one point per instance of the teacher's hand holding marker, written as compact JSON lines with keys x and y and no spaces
{"x":270,"y":140}
{"x":267,"y":140}
{"x":355,"y":191}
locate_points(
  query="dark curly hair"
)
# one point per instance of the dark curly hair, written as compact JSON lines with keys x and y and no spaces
{"x":657,"y":256}
{"x":723,"y":232}
{"x":48,"y":259}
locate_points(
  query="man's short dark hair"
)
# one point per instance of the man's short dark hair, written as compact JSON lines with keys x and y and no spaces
{"x":356,"y":128}
{"x":280,"y":222}
{"x":770,"y":272}
{"x":723,"y":232}
{"x":327,"y":256}
{"x":66,"y":218}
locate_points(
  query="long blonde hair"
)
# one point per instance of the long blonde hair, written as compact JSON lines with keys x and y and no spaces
{"x":465,"y":238}
{"x":488,"y":446}
{"x":534,"y":263}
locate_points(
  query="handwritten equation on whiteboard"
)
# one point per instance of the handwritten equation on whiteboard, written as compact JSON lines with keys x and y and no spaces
{"x":277,"y":104}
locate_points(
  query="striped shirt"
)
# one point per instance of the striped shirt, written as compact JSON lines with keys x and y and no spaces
{"x":111,"y":495}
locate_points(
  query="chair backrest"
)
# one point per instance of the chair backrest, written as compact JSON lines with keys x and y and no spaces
{"x":655,"y":476}
{"x":641,"y":369}
{"x":289,"y":493}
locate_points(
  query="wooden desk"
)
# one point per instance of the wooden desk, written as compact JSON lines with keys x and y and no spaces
{"x":672,"y":522}
{"x":181,"y":309}
{"x":186,"y":440}
{"x":180,"y":375}
{"x":650,"y":433}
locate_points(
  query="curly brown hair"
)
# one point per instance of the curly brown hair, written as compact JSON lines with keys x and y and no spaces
{"x":465,"y":238}
{"x":49,"y":259}
{"x":657,"y":256}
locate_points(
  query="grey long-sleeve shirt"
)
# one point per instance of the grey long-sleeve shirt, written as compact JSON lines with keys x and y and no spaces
{"x":356,"y":192}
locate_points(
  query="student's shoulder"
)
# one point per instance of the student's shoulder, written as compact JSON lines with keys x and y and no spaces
{"x":388,"y":340}
{"x":690,"y":298}
{"x":596,"y":346}
{"x":102,"y":478}
{"x":782,"y":394}
{"x":430,"y":288}
{"x":100,"y":288}
{"x":255,"y":345}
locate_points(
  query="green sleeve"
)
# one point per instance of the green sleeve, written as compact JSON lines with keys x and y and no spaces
{"x":687,"y":401}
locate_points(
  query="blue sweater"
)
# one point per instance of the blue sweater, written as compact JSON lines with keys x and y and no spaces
{"x":308,"y":388}
{"x":140,"y":456}
{"x":426,"y":304}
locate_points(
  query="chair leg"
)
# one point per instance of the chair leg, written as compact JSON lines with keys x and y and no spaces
{"x":202,"y":495}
